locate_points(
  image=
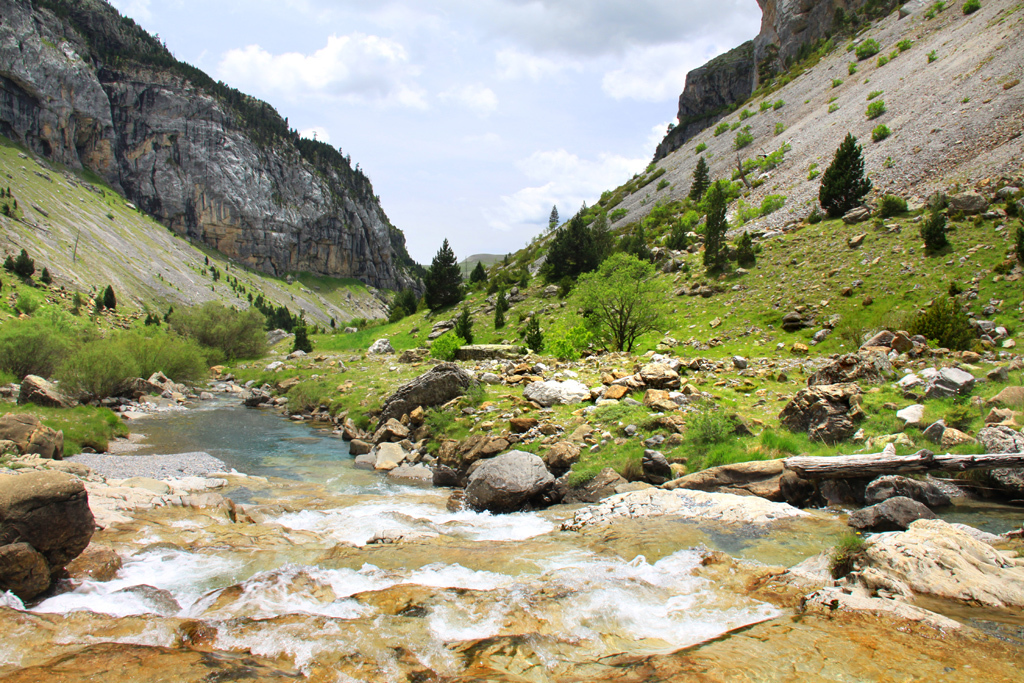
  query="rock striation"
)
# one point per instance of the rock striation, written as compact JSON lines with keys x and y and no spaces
{"x":87,"y":88}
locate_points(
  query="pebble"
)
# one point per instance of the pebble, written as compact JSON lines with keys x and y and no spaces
{"x":173,"y":466}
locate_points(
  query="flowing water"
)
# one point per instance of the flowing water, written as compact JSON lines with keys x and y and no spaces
{"x":344,"y":576}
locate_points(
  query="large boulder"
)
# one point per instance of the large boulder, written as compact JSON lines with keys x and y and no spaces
{"x":255,"y":398}
{"x":556,"y":393}
{"x":761,"y":478}
{"x":23,"y":570}
{"x":508,"y":482}
{"x":893,"y":486}
{"x":437,"y":386}
{"x":659,"y":376}
{"x":968,"y":203}
{"x":388,"y":456}
{"x":656,"y":468}
{"x":391,"y":431}
{"x":1011,"y":397}
{"x":381,"y":347}
{"x":49,"y":512}
{"x":38,"y":391}
{"x":950,"y":383}
{"x":477,"y":352}
{"x":999,"y":439}
{"x":936,"y":558}
{"x":894,"y":514}
{"x":822,"y":411}
{"x":853,"y":367}
{"x":31,"y":436}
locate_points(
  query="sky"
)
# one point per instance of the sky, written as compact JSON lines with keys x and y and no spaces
{"x":472,"y":118}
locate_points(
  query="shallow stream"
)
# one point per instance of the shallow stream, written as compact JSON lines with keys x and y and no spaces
{"x":344,"y":576}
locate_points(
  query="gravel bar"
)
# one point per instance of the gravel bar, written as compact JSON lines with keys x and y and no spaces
{"x":174,"y":466}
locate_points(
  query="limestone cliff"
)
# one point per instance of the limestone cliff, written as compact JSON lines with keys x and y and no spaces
{"x":787,"y":26}
{"x":85,"y":87}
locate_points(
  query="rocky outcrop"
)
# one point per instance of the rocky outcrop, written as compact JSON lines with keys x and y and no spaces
{"x":439,"y":385}
{"x":823,"y":411}
{"x":45,"y":522}
{"x":852,"y":367}
{"x":894,"y":514}
{"x":38,"y":391}
{"x":556,"y":393}
{"x":92,"y":90}
{"x":31,"y":436}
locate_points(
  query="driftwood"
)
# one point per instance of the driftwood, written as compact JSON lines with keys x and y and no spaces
{"x":875,"y":464}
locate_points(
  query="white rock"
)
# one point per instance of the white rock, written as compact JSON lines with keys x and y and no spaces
{"x":381,"y":347}
{"x":557,"y":393}
{"x":911,"y":415}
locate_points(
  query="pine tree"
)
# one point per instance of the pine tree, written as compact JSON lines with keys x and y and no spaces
{"x":9,"y":264}
{"x":1019,"y":245}
{"x":23,"y":265}
{"x":843,"y":184}
{"x":933,"y":232}
{"x":444,"y":280}
{"x":500,"y":306}
{"x":302,"y":342}
{"x":464,"y":325}
{"x":701,"y":180}
{"x":745,"y":256}
{"x":478,"y":274}
{"x":553,"y":219}
{"x":573,"y":251}
{"x":533,"y":337}
{"x":715,"y":229}
{"x":45,"y":277}
{"x":109,"y":300}
{"x":677,"y":238}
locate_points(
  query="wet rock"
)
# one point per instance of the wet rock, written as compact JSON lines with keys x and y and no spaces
{"x":556,"y":393}
{"x":388,"y":456}
{"x":392,"y":430}
{"x":359,"y":447}
{"x":437,"y":386}
{"x":96,"y":563}
{"x":38,"y":391}
{"x":366,"y":461}
{"x":31,"y":436}
{"x":935,"y":558}
{"x":23,"y":570}
{"x":822,"y":411}
{"x":656,"y":468}
{"x":508,"y":482}
{"x":255,"y":398}
{"x":949,"y":383}
{"x":381,"y":347}
{"x":893,"y":514}
{"x":893,"y":486}
{"x":445,"y":476}
{"x":412,"y":473}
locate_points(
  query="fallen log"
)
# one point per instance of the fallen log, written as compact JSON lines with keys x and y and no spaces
{"x":875,"y":464}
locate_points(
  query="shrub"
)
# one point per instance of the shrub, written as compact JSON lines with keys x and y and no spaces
{"x":464,"y":326}
{"x":844,"y":184}
{"x":236,"y":334}
{"x":875,"y":109}
{"x":302,"y":342}
{"x":617,"y":214}
{"x":45,"y":278}
{"x":743,"y":138}
{"x":904,"y":45}
{"x":723,"y":127}
{"x":933,"y":232}
{"x":845,"y":552}
{"x":779,"y":104}
{"x":945,"y":324}
{"x":97,"y":369}
{"x":772,"y":203}
{"x":708,"y":426}
{"x":445,"y":346}
{"x":832,"y":108}
{"x":765,"y":106}
{"x":701,"y":147}
{"x":745,"y":114}
{"x":932,"y":56}
{"x":836,"y":82}
{"x":156,"y":350}
{"x":959,"y":416}
{"x":869,"y":48}
{"x":23,"y":265}
{"x":1019,"y":245}
{"x":568,"y":345}
{"x":874,"y":93}
{"x":880,"y":132}
{"x":662,"y":184}
{"x":812,"y":171}
{"x":972,"y":6}
{"x":32,"y":347}
{"x":27,"y":303}
{"x":815,"y":216}
{"x":745,"y":256}
{"x":851,"y":68}
{"x":891,"y":205}
{"x":882,"y":60}
{"x":779,"y":128}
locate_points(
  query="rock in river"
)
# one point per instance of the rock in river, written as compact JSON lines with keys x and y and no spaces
{"x":507,"y":482}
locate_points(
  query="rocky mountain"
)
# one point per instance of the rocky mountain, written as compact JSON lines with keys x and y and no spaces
{"x":788,"y":27}
{"x":87,"y":88}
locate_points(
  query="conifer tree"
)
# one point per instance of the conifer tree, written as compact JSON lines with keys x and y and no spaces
{"x":1019,"y":244}
{"x":464,"y":325}
{"x":302,"y":342}
{"x":23,"y":265}
{"x":444,"y":280}
{"x":701,"y":180}
{"x":109,"y":300}
{"x":715,"y":229}
{"x":553,"y":218}
{"x":933,"y":232}
{"x":573,"y":251}
{"x":9,"y":264}
{"x":533,"y":337}
{"x":500,"y":306}
{"x":478,"y":274}
{"x":45,"y":277}
{"x":843,"y":183}
{"x":745,"y":256}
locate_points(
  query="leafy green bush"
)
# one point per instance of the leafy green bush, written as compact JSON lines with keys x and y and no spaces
{"x":568,"y":345}
{"x":880,"y":132}
{"x":851,"y":68}
{"x":875,"y":109}
{"x":933,"y":232}
{"x":97,"y":369}
{"x":959,"y":416}
{"x":812,"y":171}
{"x":28,"y":302}
{"x":445,"y":346}
{"x":869,"y":48}
{"x":833,"y":108}
{"x":723,"y":127}
{"x":765,"y":106}
{"x":701,"y":147}
{"x":780,"y":128}
{"x":156,"y":350}
{"x":844,"y":554}
{"x":904,"y":45}
{"x":836,"y":82}
{"x":932,"y":56}
{"x":617,"y":214}
{"x":945,"y":324}
{"x":745,"y":114}
{"x":32,"y":347}
{"x":743,"y":138}
{"x":891,"y":205}
{"x":236,"y":334}
{"x":662,"y":184}
{"x":779,"y":104}
{"x":971,"y":6}
{"x":772,"y":203}
{"x":874,"y":93}
{"x":708,"y":426}
{"x":882,"y":60}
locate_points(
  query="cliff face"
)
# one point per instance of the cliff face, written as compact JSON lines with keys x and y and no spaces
{"x":786,"y":27}
{"x":86,"y":88}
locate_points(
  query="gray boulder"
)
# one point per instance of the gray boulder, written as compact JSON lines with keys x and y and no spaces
{"x":998,"y":439}
{"x":38,"y":391}
{"x":949,"y":383}
{"x":381,"y":347}
{"x":556,"y":393}
{"x":656,"y":468}
{"x":894,"y":514}
{"x":822,"y":411}
{"x":508,"y":482}
{"x":274,"y":337}
{"x":935,"y":431}
{"x":852,"y":367}
{"x":31,"y":436}
{"x":895,"y":486}
{"x":437,"y":386}
{"x":255,"y":397}
{"x":968,"y":203}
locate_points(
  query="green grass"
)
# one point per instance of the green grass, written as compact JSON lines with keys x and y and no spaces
{"x":82,"y":426}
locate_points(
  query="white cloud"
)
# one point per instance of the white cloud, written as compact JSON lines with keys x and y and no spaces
{"x":357,"y":67}
{"x":136,"y":9}
{"x":655,"y":74}
{"x":316,"y":133}
{"x":565,"y":180}
{"x":515,"y":64}
{"x":658,"y":132}
{"x":478,"y":98}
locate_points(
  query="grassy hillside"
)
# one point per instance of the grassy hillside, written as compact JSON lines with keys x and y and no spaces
{"x":88,"y":236}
